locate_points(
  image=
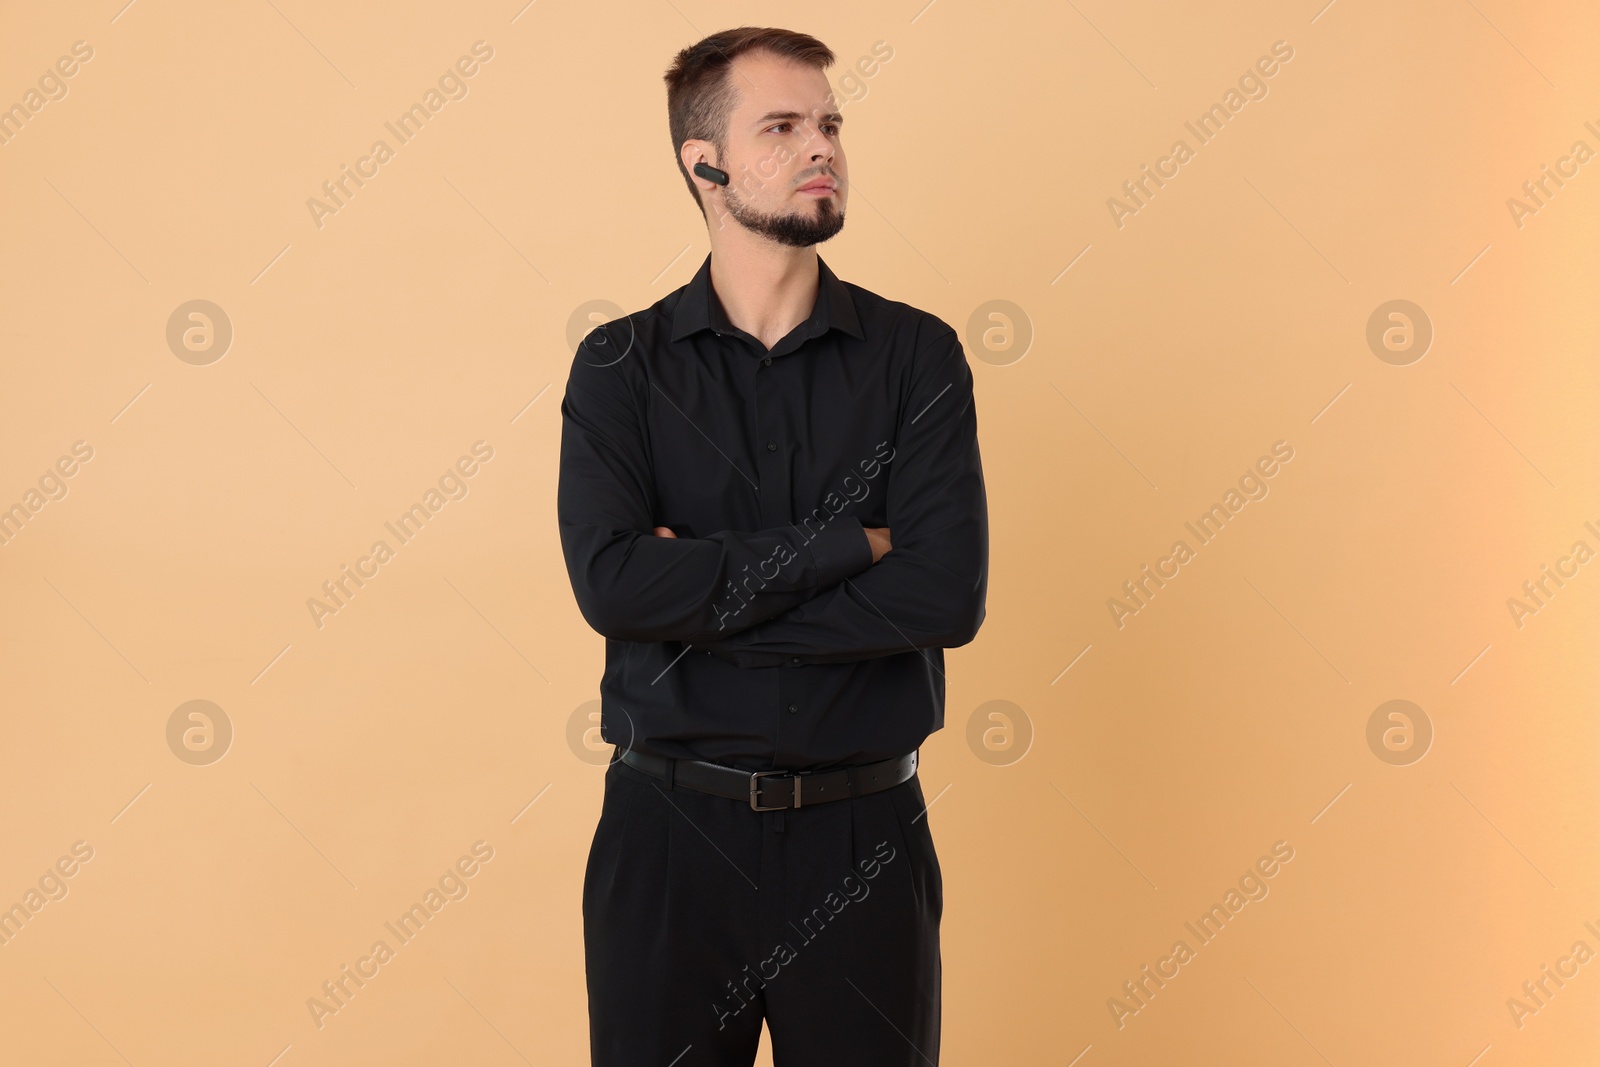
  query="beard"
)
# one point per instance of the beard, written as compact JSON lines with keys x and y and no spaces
{"x":800,"y":228}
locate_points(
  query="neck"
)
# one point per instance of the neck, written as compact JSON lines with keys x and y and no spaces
{"x":766,"y":288}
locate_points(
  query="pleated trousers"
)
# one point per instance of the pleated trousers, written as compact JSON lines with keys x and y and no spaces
{"x":702,"y":917}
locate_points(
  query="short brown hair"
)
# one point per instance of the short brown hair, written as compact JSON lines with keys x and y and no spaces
{"x":700,"y":94}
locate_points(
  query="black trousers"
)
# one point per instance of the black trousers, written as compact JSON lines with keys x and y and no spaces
{"x":701,"y":917}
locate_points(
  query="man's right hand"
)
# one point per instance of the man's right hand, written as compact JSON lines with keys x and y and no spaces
{"x":879,"y":538}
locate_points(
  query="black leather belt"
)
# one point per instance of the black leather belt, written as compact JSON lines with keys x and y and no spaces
{"x":776,"y":790}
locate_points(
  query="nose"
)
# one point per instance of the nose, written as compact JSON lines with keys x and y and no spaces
{"x":822,"y":147}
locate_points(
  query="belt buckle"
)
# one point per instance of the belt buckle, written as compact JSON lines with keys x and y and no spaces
{"x":755,"y":790}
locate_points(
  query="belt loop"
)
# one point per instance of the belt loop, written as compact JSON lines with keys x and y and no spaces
{"x":671,"y":766}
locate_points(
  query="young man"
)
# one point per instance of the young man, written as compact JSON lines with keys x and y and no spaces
{"x":772,"y":507}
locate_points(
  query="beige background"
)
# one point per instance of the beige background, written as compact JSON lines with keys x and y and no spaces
{"x":434,"y":310}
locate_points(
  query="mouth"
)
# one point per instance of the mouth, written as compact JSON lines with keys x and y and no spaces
{"x":819,"y":187}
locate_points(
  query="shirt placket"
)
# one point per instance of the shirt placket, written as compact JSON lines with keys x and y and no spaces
{"x":774,"y":468}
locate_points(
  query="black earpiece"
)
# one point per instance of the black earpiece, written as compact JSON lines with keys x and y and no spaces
{"x":710,"y":173}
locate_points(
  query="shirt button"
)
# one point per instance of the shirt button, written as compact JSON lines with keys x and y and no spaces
{"x":795,"y":660}
{"x":768,"y":361}
{"x":793,"y":708}
{"x":771,"y":447}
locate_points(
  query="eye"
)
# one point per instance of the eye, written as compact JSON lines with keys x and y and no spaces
{"x":834,"y":126}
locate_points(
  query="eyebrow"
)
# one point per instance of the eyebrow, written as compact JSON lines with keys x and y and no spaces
{"x":831,"y":116}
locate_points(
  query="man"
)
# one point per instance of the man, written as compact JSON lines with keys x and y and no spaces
{"x":772,"y":507}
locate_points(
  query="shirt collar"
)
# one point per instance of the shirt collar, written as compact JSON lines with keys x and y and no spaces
{"x":699,"y":307}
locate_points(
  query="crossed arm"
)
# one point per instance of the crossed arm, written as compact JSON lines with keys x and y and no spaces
{"x":829,"y":599}
{"x":633,"y":586}
{"x":929,"y":589}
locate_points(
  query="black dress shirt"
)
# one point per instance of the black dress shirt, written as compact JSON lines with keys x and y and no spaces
{"x":763,"y":636}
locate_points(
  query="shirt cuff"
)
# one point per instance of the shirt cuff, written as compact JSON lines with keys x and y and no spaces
{"x":839,"y":551}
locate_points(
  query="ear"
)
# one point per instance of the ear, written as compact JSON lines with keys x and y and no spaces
{"x":694,"y":152}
